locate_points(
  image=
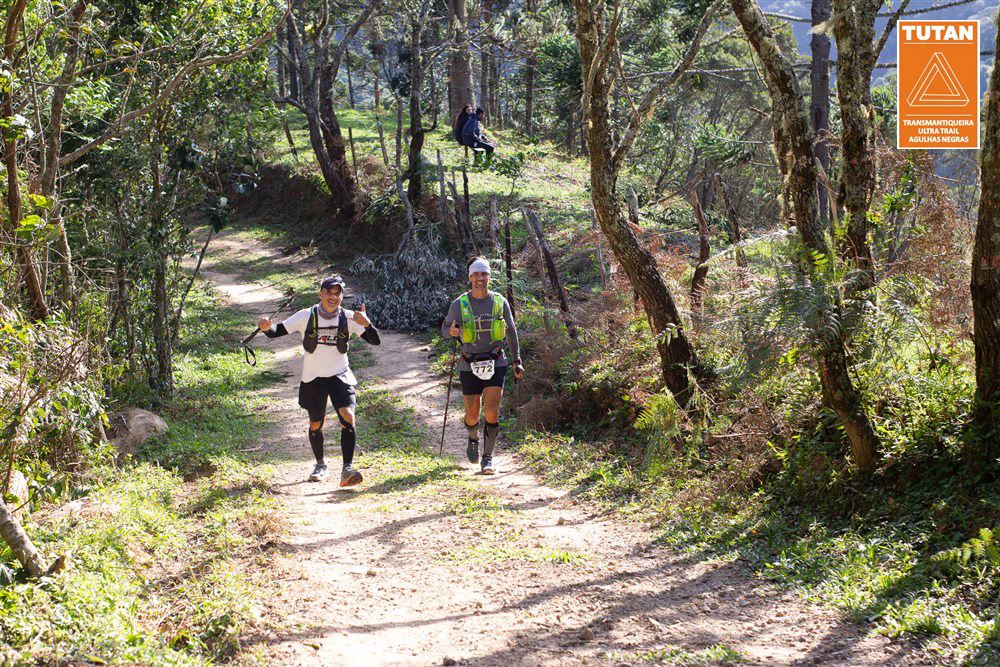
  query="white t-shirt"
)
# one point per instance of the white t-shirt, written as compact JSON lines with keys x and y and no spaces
{"x":327,"y":360}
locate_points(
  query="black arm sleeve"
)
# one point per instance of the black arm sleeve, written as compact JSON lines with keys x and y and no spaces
{"x":370,"y":335}
{"x":278,"y":332}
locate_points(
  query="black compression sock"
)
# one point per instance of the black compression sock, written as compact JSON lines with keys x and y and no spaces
{"x":490,"y":433}
{"x":316,"y":442}
{"x":348,"y":437}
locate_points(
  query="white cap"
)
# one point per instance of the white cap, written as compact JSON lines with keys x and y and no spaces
{"x":479,"y":265}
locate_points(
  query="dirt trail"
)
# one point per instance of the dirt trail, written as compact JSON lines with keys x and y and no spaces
{"x":397,"y":576}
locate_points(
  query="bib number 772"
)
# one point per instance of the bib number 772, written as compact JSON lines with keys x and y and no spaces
{"x":483,"y":370}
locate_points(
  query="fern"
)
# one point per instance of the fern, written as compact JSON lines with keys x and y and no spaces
{"x":982,"y":551}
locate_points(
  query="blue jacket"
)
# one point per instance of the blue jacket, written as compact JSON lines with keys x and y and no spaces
{"x":472,"y":132}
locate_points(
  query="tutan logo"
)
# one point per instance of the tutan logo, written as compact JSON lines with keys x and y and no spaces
{"x":938,"y":74}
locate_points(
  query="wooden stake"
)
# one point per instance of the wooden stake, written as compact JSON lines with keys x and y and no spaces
{"x":492,"y":224}
{"x":354,"y":157}
{"x":600,"y":248}
{"x":550,"y":266}
{"x":465,"y":187}
{"x":510,"y":273}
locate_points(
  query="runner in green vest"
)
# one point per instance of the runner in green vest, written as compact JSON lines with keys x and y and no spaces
{"x":482,"y":321}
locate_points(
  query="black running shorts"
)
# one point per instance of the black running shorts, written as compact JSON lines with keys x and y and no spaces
{"x":473,"y":386}
{"x":313,"y":395}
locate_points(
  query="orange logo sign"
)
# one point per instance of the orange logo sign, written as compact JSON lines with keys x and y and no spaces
{"x":938,"y":84}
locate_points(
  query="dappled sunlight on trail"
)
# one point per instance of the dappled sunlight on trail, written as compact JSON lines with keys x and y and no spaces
{"x":427,"y":561}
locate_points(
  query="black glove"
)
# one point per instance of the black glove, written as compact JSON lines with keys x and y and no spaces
{"x":370,"y":335}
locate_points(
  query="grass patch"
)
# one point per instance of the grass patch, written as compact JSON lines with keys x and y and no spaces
{"x":677,"y":655}
{"x":477,"y":507}
{"x":160,"y":571}
{"x":505,"y":554}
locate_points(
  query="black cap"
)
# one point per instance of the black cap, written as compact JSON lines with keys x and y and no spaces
{"x":479,"y":110}
{"x":330,"y":281}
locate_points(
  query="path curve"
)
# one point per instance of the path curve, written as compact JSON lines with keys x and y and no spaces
{"x":364,"y":578}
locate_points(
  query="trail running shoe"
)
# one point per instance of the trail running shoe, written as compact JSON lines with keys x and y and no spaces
{"x":350,"y":477}
{"x":487,"y":467}
{"x":318,"y":473}
{"x":472,"y":451}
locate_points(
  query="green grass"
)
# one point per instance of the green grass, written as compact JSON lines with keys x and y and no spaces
{"x":160,"y":571}
{"x":677,"y":655}
{"x":508,"y":553}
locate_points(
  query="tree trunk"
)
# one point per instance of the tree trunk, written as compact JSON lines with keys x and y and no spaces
{"x":493,"y":224}
{"x":570,"y":132}
{"x":704,"y":252}
{"x":485,"y":80}
{"x":677,"y":356}
{"x":435,"y":107}
{"x":415,"y":188}
{"x":449,"y":226}
{"x":53,"y":149}
{"x":162,"y":379}
{"x":495,"y":65}
{"x":789,"y":105}
{"x":633,"y":207}
{"x":350,"y":79}
{"x":377,"y":106}
{"x":336,"y":145}
{"x":734,"y":223}
{"x":293,"y":78}
{"x":461,"y":91}
{"x":30,"y":280}
{"x":530,"y":63}
{"x":819,"y":109}
{"x":282,"y":88}
{"x":404,"y":199}
{"x":19,"y":542}
{"x":854,"y":31}
{"x":599,"y":249}
{"x":529,"y":93}
{"x":316,"y":80}
{"x":309,"y":100}
{"x":986,"y":274}
{"x":507,"y":263}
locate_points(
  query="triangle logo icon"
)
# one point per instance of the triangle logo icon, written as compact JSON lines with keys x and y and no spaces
{"x":938,"y":86}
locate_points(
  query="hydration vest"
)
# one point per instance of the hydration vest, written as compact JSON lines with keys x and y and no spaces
{"x":469,"y":334}
{"x":311,"y":337}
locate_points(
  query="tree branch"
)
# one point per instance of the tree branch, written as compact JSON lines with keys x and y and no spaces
{"x":885,"y":33}
{"x":637,"y":119}
{"x":169,"y":90}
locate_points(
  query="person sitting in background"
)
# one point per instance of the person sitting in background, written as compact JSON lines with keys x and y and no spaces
{"x":475,"y":138}
{"x":460,"y":121}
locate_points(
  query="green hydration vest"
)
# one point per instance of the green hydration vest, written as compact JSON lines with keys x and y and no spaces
{"x":311,"y":338}
{"x":469,"y":333}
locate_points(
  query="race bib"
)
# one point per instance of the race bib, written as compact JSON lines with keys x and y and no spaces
{"x":483,"y":369}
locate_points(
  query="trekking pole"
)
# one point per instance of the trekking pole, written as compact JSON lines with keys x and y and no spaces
{"x":447,"y":401}
{"x":248,"y":353}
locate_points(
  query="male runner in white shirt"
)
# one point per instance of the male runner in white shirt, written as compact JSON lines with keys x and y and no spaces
{"x":326,"y":373}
